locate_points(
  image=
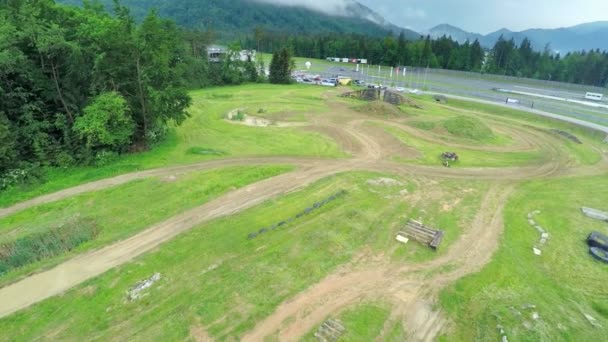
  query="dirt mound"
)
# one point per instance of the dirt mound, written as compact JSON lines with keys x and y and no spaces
{"x":379,"y":108}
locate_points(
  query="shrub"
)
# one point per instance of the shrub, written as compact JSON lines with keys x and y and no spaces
{"x":240,"y":116}
{"x":40,"y":246}
{"x":105,"y":157}
{"x":13,"y":177}
{"x":106,"y":122}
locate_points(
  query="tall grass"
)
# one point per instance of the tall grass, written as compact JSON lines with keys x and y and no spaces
{"x":52,"y":242}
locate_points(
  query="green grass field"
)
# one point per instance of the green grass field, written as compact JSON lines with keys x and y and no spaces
{"x":124,"y":210}
{"x":564,"y":283}
{"x":585,"y":154}
{"x":206,"y":135}
{"x":214,"y":276}
{"x":431,"y":153}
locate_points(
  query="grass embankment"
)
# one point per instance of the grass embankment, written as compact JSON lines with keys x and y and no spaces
{"x":463,"y":129}
{"x":434,"y":116}
{"x":585,"y":153}
{"x":206,"y":135}
{"x":214,"y":277}
{"x":563,"y":284}
{"x":122,"y":211}
{"x":431,"y":153}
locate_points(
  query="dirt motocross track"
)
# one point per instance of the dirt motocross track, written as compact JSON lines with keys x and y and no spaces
{"x":411,"y":292}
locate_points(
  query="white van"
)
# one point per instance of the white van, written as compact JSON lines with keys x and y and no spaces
{"x":594,"y":96}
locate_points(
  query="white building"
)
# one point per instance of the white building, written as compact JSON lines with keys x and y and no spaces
{"x":215,"y":53}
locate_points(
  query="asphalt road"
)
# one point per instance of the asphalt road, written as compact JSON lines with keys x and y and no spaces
{"x":481,"y":87}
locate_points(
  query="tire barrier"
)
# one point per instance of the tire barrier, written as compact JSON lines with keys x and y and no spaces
{"x":308,"y":210}
{"x":597,"y":239}
{"x":599,"y":254}
{"x":598,"y":246}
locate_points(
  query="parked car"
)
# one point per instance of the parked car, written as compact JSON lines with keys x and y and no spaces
{"x":359,"y":83}
{"x":400,"y":89}
{"x":328,"y":83}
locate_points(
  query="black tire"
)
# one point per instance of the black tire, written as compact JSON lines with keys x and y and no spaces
{"x":599,"y":254}
{"x":599,"y":240}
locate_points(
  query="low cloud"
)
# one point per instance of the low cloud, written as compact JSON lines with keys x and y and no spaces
{"x":332,"y":7}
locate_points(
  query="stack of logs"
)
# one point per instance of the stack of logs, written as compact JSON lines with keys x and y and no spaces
{"x":423,"y":234}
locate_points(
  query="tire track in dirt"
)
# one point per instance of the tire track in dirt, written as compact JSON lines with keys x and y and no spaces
{"x":160,"y":172}
{"x":61,"y":278}
{"x":405,"y":286}
{"x":331,"y":294}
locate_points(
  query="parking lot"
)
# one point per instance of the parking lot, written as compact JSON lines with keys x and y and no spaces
{"x":469,"y":85}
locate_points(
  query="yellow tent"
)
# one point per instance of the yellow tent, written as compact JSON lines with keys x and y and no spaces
{"x":345,"y":80}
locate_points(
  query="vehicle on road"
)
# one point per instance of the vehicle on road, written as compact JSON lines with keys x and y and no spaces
{"x":594,"y":96}
{"x":328,"y":83}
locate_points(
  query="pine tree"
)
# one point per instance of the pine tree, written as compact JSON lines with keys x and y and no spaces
{"x":281,"y":67}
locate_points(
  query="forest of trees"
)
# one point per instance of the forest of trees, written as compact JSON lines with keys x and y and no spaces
{"x":506,"y":58}
{"x":584,"y":67}
{"x":390,"y":50}
{"x":79,"y":86}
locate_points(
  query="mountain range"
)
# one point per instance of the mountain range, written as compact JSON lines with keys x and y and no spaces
{"x":234,"y":18}
{"x":580,"y":37}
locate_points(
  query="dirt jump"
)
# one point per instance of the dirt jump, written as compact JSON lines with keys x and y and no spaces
{"x":408,"y":287}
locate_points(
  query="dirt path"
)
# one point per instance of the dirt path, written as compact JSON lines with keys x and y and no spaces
{"x":409,"y":288}
{"x":72,"y":272}
{"x":405,"y":286}
{"x":373,"y":162}
{"x":160,"y":172}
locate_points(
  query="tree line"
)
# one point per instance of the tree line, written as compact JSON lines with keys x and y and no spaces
{"x":582,"y":67}
{"x":505,"y":58}
{"x":80,"y":85}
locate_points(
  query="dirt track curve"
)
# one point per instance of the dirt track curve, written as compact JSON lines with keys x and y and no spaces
{"x":411,"y":292}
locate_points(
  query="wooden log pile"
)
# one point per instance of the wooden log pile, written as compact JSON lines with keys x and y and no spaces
{"x":330,"y":330}
{"x":417,"y":231}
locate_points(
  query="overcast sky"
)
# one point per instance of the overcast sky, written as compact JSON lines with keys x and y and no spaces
{"x":485,"y":16}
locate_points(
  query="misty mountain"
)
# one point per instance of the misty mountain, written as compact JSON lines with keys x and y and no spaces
{"x":581,"y":37}
{"x":232,"y":18}
{"x":456,"y":33}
